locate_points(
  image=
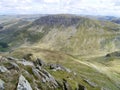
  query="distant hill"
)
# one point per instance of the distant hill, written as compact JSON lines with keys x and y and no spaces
{"x":67,"y":33}
{"x":116,"y":20}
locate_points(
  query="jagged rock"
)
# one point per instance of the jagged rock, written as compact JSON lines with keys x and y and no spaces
{"x":38,"y":67}
{"x":11,"y":58}
{"x":36,"y":73}
{"x":56,"y":67}
{"x":3,"y":59}
{"x":13,"y":66}
{"x":66,"y":86}
{"x":90,"y":83}
{"x":3,"y":69}
{"x":39,"y":62}
{"x":2,"y":85}
{"x":81,"y":87}
{"x":25,"y":63}
{"x":45,"y":77}
{"x":113,"y":54}
{"x":23,"y":84}
{"x":50,"y":77}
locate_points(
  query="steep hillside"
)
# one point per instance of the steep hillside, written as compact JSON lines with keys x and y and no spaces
{"x":68,"y":33}
{"x":11,"y":25}
{"x":77,"y":35}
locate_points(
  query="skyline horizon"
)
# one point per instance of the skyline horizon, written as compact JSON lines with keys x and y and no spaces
{"x":57,"y":14}
{"x":79,"y":7}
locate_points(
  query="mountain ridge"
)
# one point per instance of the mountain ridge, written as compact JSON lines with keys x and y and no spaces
{"x":87,"y":47}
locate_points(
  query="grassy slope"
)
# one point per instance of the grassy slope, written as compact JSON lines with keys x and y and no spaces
{"x":86,"y":68}
{"x":90,"y":35}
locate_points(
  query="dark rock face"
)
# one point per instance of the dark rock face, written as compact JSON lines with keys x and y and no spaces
{"x":108,"y":55}
{"x":39,"y":62}
{"x":52,"y":20}
{"x":56,"y":67}
{"x":116,"y":21}
{"x":81,"y":87}
{"x":1,"y":27}
{"x":66,"y":86}
{"x":113,"y":54}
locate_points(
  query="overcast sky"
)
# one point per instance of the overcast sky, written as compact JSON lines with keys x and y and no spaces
{"x":89,"y":7}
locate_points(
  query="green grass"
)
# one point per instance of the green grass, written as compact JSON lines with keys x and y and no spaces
{"x":103,"y":79}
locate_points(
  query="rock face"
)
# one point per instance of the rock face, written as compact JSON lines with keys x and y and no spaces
{"x":45,"y":77}
{"x":3,"y":69}
{"x":23,"y":84}
{"x":81,"y":87}
{"x":39,"y":62}
{"x":2,"y":85}
{"x":56,"y":67}
{"x":66,"y":86}
{"x":113,"y":54}
{"x":52,"y":20}
{"x":25,"y":63}
{"x":13,"y":65}
{"x":11,"y":58}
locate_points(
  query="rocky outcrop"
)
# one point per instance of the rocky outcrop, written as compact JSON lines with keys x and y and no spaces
{"x":45,"y":77}
{"x":3,"y":69}
{"x":56,"y":67}
{"x":23,"y":84}
{"x":55,"y":20}
{"x":34,"y":74}
{"x":81,"y":87}
{"x":2,"y":85}
{"x":66,"y":86}
{"x":90,"y":83}
{"x":39,"y":62}
{"x":113,"y":54}
{"x":13,"y":65}
{"x":11,"y":58}
{"x":25,"y":62}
